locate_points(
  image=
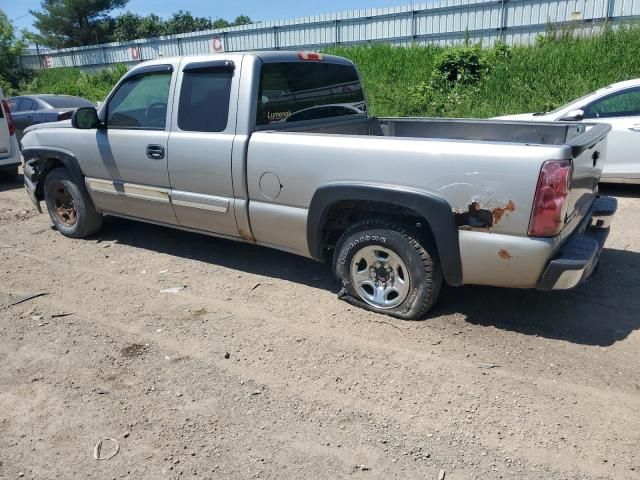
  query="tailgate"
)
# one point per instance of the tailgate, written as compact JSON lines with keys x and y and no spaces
{"x":588,"y":144}
{"x":5,"y":138}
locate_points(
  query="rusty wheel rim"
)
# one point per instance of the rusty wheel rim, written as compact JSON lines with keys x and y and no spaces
{"x":63,"y":205}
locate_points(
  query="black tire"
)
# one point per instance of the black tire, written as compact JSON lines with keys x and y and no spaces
{"x":416,"y":252}
{"x":10,"y":174}
{"x":70,"y":208}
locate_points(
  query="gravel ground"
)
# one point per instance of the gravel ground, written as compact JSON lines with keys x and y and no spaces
{"x":256,"y":370}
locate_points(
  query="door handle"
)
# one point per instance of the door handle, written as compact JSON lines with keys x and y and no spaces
{"x":635,"y":128}
{"x":155,"y":152}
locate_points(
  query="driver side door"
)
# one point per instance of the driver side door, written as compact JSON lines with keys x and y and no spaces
{"x":125,"y":162}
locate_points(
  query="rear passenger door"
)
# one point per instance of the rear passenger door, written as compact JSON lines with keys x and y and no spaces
{"x":200,"y":146}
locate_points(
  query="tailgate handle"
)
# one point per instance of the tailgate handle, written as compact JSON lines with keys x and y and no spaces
{"x":155,"y":152}
{"x":635,"y":128}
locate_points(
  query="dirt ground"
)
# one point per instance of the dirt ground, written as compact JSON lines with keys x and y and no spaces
{"x":256,"y":370}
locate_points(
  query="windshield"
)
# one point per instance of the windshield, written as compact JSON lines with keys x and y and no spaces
{"x":67,"y":102}
{"x":296,"y":91}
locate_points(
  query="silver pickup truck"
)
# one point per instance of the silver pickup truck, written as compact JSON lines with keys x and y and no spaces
{"x":277,"y":149}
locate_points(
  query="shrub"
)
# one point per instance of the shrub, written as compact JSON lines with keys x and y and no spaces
{"x":73,"y":81}
{"x":460,"y":64}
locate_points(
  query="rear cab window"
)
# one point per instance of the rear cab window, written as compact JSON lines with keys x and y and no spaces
{"x":306,"y":90}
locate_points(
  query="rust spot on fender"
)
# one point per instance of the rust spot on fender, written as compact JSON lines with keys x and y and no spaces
{"x":478,"y":217}
{"x":498,"y":213}
{"x":502,"y":253}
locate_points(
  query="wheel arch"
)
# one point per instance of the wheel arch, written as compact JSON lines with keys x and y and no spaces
{"x":432,"y":209}
{"x":38,"y":161}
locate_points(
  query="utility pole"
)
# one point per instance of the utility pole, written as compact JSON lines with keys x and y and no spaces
{"x":39,"y":58}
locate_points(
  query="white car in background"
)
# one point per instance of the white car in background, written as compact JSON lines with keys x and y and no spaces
{"x":617,"y":105}
{"x":10,"y":158}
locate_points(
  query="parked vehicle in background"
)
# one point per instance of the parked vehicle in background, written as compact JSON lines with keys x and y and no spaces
{"x":398,"y":205}
{"x":30,"y":110}
{"x":618,"y":105}
{"x":10,"y":158}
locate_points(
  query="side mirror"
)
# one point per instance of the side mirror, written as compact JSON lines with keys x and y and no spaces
{"x":85,"y":118}
{"x":574,"y":116}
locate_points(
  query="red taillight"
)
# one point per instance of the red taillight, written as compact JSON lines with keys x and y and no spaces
{"x":9,"y":117}
{"x":310,"y":56}
{"x":65,"y":115}
{"x":554,"y":184}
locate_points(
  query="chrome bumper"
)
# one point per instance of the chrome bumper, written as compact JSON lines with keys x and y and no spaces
{"x":579,"y":255}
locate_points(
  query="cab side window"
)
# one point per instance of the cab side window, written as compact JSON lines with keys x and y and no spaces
{"x":204,"y":100}
{"x":140,"y":102}
{"x":622,"y":104}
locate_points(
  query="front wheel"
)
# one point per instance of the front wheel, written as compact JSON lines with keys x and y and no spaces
{"x":388,"y":269}
{"x":70,"y":208}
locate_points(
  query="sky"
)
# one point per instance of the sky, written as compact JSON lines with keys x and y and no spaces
{"x":256,"y":9}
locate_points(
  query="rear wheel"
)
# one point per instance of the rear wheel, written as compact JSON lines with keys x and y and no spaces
{"x":70,"y":208}
{"x":388,"y":269}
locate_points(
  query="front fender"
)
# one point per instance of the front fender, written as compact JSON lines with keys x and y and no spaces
{"x":39,"y":160}
{"x":435,"y":210}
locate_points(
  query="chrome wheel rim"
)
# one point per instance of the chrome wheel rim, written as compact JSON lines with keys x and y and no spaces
{"x":380,"y":277}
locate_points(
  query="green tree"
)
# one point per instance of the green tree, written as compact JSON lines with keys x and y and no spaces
{"x":241,"y":20}
{"x":71,"y":23}
{"x":220,"y":23}
{"x":10,"y":51}
{"x":131,"y":26}
{"x":127,"y":26}
{"x":184,"y":22}
{"x":151,"y":26}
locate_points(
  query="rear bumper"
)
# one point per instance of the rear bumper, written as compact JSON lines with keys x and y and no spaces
{"x":580,"y":253}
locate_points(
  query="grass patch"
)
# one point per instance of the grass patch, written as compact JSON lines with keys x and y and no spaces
{"x":558,"y":68}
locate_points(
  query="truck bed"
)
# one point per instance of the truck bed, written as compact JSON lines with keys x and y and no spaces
{"x":534,"y":133}
{"x":475,"y":165}
{"x":577,"y":139}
